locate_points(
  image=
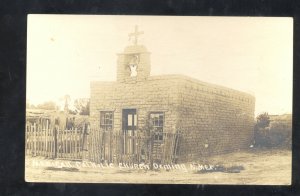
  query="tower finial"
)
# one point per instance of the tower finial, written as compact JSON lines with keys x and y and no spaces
{"x":135,"y":34}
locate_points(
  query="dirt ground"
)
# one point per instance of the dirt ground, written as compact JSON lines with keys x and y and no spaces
{"x":256,"y":167}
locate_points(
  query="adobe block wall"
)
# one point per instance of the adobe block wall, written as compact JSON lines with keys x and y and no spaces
{"x":151,"y":95}
{"x":213,"y":119}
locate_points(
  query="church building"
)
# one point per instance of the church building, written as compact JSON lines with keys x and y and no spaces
{"x":210,"y":119}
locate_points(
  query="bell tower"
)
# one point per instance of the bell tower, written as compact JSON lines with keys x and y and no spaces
{"x":134,"y":62}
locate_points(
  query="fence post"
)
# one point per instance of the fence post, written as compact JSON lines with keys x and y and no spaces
{"x":151,"y":150}
{"x":71,"y":139}
{"x":26,"y":138}
{"x":55,"y":141}
{"x":64,"y":155}
{"x":84,"y":147}
{"x":94,"y":145}
{"x":89,"y":144}
{"x":76,"y":143}
{"x":111,"y":140}
{"x":74,"y":138}
{"x":34,"y":139}
{"x":176,"y":146}
{"x":46,"y":139}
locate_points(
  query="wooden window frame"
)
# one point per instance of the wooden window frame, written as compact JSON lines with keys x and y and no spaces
{"x":157,"y":124}
{"x":106,"y":126}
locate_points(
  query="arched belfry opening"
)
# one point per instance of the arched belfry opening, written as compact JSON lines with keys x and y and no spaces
{"x":134,"y":61}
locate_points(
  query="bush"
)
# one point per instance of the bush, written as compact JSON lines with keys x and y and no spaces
{"x":280,"y":134}
{"x":276,"y":133}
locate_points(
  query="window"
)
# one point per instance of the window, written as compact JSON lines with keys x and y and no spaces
{"x":157,"y":124}
{"x":106,"y":121}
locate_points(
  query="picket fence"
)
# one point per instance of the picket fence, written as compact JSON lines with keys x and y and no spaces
{"x":99,"y":145}
{"x":52,"y":142}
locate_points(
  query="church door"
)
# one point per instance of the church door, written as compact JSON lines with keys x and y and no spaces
{"x":129,"y":125}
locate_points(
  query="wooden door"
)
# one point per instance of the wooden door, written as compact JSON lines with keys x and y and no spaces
{"x":129,"y":125}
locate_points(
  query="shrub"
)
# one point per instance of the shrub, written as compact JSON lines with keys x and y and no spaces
{"x":276,"y":133}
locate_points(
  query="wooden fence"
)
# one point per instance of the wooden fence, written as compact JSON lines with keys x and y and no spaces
{"x":164,"y":151}
{"x":51,"y":142}
{"x":126,"y":147}
{"x":99,"y":145}
{"x":122,"y":146}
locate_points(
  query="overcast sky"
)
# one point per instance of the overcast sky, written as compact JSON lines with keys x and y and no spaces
{"x":251,"y":54}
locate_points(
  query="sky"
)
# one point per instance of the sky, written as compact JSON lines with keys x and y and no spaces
{"x":250,"y":54}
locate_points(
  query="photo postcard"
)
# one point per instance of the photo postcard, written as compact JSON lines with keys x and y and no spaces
{"x":159,"y":99}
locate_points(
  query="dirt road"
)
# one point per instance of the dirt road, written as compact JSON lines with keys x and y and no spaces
{"x":264,"y":167}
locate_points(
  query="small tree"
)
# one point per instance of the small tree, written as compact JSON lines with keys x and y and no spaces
{"x":82,"y":106}
{"x":263,"y":120}
{"x":261,"y":129}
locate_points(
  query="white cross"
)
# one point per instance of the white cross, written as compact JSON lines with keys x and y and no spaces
{"x":135,"y":34}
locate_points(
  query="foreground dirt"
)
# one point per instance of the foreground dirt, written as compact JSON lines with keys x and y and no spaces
{"x":260,"y":167}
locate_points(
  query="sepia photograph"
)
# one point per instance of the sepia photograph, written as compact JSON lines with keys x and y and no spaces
{"x":159,"y":99}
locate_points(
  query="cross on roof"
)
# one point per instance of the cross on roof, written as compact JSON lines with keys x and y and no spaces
{"x":135,"y":34}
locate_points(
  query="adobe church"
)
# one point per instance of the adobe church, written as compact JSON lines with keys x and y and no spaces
{"x":211,"y":119}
